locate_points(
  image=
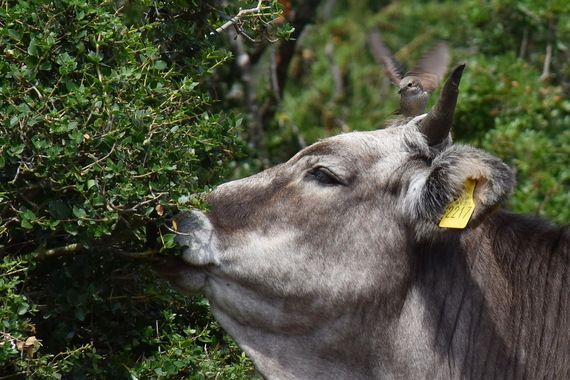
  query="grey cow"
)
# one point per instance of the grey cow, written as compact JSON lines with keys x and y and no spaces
{"x":333,"y":266}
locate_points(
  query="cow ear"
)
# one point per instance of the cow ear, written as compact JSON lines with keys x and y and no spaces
{"x":446,"y":181}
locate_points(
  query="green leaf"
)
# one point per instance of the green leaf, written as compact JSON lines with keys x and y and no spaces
{"x":28,"y":215}
{"x":46,"y":66}
{"x":26,"y":224}
{"x":94,"y":57}
{"x":67,"y":63}
{"x":79,"y":212}
{"x":23,"y":308}
{"x":168,"y":240}
{"x":16,"y":150}
{"x":14,"y":35}
{"x":71,"y":229}
{"x":33,"y":47}
{"x":160,"y":65}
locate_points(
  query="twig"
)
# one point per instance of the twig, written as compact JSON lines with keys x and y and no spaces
{"x":157,"y":335}
{"x":59,"y":251}
{"x":149,"y":253}
{"x":546,"y":67}
{"x":37,"y":92}
{"x":143,"y":298}
{"x":260,"y":114}
{"x":177,"y":232}
{"x":242,"y":33}
{"x":99,"y":75}
{"x":85,"y":168}
{"x":335,"y":72}
{"x":273,"y":76}
{"x":548,"y":58}
{"x":14,"y":272}
{"x":30,"y":202}
{"x":139,"y":176}
{"x":67,"y":354}
{"x":13,"y":181}
{"x":138,"y":205}
{"x":237,"y":18}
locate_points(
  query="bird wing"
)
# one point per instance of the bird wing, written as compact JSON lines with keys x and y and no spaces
{"x":384,"y":57}
{"x":432,"y":67}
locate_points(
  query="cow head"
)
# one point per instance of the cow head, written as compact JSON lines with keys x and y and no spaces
{"x":293,"y":255}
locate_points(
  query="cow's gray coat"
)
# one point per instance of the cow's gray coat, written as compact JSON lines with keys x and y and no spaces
{"x":332,"y":266}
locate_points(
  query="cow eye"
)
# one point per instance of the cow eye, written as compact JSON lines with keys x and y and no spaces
{"x":324,"y":176}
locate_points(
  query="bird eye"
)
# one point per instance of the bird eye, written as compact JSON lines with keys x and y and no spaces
{"x":410,"y":84}
{"x":324,"y":176}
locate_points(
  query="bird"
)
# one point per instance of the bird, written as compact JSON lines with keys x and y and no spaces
{"x":415,"y":85}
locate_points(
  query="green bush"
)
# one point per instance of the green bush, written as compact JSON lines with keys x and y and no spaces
{"x":98,"y":128}
{"x":106,"y":124}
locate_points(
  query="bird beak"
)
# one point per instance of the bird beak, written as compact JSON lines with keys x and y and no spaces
{"x":400,"y":90}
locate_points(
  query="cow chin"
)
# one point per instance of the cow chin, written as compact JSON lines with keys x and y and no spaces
{"x":181,"y":276}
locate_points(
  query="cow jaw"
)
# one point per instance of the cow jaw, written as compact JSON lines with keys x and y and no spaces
{"x":227,"y":273}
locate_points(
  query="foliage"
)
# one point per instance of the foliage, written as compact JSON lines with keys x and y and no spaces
{"x":183,"y":355}
{"x":88,"y":105}
{"x":107,"y":123}
{"x":526,"y":123}
{"x":14,"y":306}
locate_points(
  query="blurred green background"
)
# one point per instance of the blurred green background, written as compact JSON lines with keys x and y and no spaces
{"x":112,"y":114}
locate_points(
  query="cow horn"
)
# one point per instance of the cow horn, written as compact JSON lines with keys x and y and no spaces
{"x":437,"y":123}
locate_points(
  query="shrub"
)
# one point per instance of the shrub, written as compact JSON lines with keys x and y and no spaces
{"x":106,"y":123}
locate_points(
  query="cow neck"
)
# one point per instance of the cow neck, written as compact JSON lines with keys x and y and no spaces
{"x":493,"y":293}
{"x":533,"y":256}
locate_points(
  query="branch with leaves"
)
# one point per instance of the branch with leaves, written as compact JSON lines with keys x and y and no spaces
{"x":263,"y":23}
{"x":237,"y":19}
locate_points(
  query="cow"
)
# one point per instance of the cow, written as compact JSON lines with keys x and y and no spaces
{"x":334,"y":264}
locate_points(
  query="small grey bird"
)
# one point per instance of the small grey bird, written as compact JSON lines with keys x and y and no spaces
{"x":415,"y":85}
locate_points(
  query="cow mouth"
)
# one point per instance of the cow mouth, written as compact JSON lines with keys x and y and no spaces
{"x":180,"y":275}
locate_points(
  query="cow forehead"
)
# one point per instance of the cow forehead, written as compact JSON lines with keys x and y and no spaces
{"x":361,"y":145}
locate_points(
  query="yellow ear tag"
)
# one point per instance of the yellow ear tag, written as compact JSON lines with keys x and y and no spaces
{"x":459,"y":212}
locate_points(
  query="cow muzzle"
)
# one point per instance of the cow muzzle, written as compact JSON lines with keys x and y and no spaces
{"x":195,"y":233}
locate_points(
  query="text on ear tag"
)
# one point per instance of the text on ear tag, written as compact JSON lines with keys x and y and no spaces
{"x":459,"y":212}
